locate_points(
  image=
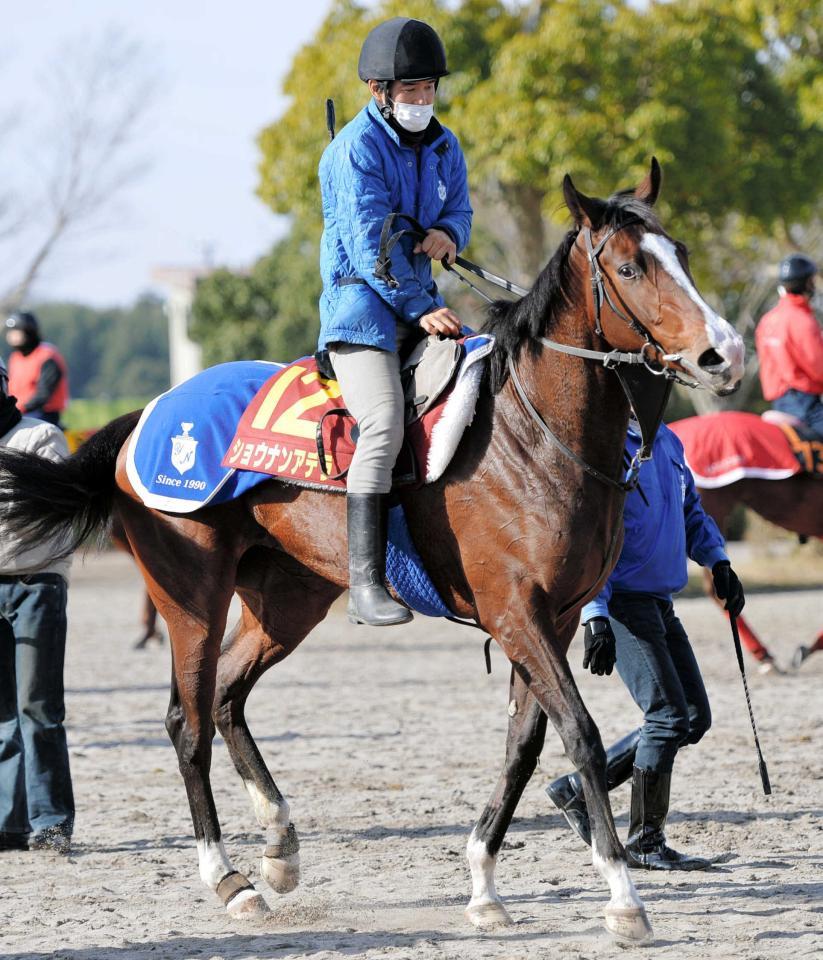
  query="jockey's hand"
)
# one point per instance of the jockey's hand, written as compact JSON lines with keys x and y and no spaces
{"x":728,"y":587}
{"x":442,"y":321}
{"x":600,"y":646}
{"x":438,"y":245}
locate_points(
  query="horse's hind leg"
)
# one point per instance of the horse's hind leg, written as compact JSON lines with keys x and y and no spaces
{"x":282,"y":602}
{"x":527,"y":730}
{"x":189,"y":569}
{"x":195,"y":649}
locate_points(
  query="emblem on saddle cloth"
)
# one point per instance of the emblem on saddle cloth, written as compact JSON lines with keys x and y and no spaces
{"x":183,"y":449}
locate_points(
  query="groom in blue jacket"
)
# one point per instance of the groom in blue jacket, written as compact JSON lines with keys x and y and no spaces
{"x":632,"y":623}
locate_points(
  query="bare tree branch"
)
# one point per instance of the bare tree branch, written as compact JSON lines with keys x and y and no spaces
{"x":99,"y":96}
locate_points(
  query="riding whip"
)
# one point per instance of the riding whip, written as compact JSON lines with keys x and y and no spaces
{"x":330,"y":119}
{"x":764,"y":773}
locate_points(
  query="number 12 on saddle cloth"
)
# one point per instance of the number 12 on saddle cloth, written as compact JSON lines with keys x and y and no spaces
{"x":297,"y":428}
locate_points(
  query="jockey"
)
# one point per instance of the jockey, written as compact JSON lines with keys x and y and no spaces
{"x":632,"y":622}
{"x":789,"y":344}
{"x":394,"y":156}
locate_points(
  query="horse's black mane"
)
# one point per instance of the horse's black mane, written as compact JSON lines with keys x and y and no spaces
{"x":519,"y":322}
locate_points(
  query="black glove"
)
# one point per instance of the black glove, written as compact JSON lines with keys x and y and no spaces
{"x":600,"y":646}
{"x":728,"y":587}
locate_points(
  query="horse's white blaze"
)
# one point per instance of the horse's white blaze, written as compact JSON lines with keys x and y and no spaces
{"x":616,"y":874}
{"x":482,"y":864}
{"x":214,"y":864}
{"x":273,"y":816}
{"x":720,"y":332}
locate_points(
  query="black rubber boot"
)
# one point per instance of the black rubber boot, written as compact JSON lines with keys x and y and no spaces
{"x":567,"y":792}
{"x":369,"y":601}
{"x":646,"y":848}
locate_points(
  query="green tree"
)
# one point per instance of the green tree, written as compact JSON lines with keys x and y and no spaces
{"x":270,"y":313}
{"x":111,"y":352}
{"x":327,"y":67}
{"x":725,"y":93}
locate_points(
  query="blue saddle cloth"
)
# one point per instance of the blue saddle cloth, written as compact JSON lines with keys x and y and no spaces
{"x":173,"y":460}
{"x":405,"y":570}
{"x":174,"y":464}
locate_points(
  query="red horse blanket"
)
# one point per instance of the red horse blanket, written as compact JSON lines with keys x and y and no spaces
{"x":722,"y":448}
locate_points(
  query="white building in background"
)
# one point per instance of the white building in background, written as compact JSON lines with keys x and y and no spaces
{"x":178,"y":283}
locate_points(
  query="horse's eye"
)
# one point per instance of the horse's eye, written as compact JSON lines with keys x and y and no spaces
{"x":628,"y":271}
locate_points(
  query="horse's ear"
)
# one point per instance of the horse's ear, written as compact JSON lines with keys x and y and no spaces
{"x":649,"y":190}
{"x":587,"y":211}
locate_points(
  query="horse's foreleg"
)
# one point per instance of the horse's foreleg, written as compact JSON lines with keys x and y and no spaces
{"x":527,"y":729}
{"x":550,"y":680}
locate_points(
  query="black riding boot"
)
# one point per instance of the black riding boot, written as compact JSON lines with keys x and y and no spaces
{"x":369,"y":601}
{"x":646,"y":847}
{"x":567,"y":792}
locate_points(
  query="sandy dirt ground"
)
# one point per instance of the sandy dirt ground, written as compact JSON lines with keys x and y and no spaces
{"x":387,"y":745}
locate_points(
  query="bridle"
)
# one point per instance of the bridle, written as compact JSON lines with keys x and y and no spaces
{"x":611,"y":359}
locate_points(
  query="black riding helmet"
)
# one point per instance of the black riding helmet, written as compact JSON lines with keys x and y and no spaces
{"x":402,"y":49}
{"x":796,"y":268}
{"x":25,"y":321}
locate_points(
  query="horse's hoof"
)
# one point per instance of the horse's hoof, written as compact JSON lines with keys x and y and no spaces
{"x":485,"y":916}
{"x":247,"y":905}
{"x":281,"y":874}
{"x":629,"y":923}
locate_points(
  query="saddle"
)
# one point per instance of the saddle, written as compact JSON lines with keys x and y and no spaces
{"x":426,"y":373}
{"x":805,"y":444}
{"x":298,"y":429}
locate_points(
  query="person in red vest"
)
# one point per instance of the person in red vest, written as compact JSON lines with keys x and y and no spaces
{"x":37,"y":372}
{"x":789,"y":343}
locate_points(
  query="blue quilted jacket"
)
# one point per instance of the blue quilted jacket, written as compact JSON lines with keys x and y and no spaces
{"x":366,"y":173}
{"x":660,"y":536}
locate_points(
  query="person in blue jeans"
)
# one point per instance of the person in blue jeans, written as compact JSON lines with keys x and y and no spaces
{"x":36,"y":798}
{"x":632,"y":623}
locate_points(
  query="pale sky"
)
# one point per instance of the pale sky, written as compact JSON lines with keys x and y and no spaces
{"x":221,"y":66}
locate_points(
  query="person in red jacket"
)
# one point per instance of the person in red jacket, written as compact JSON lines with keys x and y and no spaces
{"x":37,"y":372}
{"x":789,"y":343}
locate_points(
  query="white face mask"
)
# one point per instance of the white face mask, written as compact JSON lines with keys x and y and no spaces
{"x":413,"y":117}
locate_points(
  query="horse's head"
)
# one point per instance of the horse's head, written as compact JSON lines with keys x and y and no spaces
{"x":642,"y":295}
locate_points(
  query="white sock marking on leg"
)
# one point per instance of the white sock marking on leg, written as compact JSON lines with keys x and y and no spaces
{"x":273,"y":817}
{"x":214,"y":864}
{"x":616,"y":874}
{"x":482,"y":865}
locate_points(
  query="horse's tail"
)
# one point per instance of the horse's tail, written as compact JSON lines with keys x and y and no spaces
{"x":67,"y":501}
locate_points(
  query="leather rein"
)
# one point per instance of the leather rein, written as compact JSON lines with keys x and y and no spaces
{"x":611,"y":359}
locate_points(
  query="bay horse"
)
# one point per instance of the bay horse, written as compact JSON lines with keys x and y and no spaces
{"x":793,"y":503}
{"x":522,"y":529}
